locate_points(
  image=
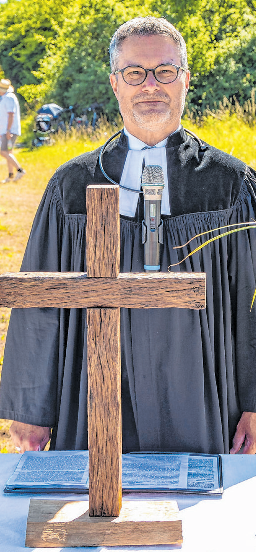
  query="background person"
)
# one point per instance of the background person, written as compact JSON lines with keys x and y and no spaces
{"x":9,"y":128}
{"x":188,"y":376}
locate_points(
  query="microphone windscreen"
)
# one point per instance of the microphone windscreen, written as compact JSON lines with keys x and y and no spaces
{"x":152,"y":174}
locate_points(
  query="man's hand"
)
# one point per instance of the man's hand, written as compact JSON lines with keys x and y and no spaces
{"x":29,"y":437}
{"x":9,"y":125}
{"x":245,"y":434}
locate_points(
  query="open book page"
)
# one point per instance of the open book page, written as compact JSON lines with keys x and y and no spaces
{"x":62,"y":471}
{"x":176,"y":472}
{"x":51,"y":470}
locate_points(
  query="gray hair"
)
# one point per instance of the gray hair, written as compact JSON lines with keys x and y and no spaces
{"x":142,"y":26}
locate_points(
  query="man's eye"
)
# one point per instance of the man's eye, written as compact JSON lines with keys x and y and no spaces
{"x":134,"y":73}
{"x":166,"y":72}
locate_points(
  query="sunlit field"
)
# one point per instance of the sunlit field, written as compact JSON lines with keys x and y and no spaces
{"x":19,"y":200}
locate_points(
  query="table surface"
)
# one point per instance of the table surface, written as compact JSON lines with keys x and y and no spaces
{"x":210,"y":524}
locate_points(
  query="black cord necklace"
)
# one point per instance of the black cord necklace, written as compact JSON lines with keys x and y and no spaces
{"x":202,"y":147}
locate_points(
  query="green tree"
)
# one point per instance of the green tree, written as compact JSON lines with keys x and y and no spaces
{"x":27,"y":30}
{"x":57,"y":50}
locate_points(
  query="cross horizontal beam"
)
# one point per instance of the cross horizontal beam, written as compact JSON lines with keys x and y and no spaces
{"x":76,"y":290}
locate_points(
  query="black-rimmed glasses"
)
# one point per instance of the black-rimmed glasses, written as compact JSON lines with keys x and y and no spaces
{"x":135,"y":74}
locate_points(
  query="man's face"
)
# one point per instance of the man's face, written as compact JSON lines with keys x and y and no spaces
{"x":150,"y":106}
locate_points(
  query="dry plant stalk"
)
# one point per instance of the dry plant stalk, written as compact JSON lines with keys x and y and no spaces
{"x":241,"y":225}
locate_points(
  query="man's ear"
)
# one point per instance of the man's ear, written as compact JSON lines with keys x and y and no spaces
{"x":187,"y":80}
{"x":114,"y":84}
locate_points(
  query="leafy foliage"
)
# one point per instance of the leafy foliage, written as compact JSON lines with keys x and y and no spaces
{"x":57,"y":50}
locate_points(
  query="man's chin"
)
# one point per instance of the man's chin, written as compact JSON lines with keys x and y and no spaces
{"x":151,"y":121}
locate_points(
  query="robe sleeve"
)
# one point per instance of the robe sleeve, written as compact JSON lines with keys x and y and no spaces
{"x":29,"y":384}
{"x":242,"y":275}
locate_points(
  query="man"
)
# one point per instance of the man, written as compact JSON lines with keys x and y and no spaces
{"x":188,"y":377}
{"x":9,"y":128}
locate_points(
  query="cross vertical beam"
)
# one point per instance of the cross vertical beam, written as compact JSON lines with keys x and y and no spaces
{"x":104,"y":357}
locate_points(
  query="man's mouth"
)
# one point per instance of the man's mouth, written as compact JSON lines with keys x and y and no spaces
{"x":150,"y":102}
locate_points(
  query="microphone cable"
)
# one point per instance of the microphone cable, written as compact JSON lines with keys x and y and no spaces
{"x":202,"y":147}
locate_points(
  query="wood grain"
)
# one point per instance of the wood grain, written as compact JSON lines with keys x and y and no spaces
{"x":103,"y":355}
{"x":60,"y":523}
{"x":76,"y":290}
{"x":102,"y":231}
{"x":104,"y":412}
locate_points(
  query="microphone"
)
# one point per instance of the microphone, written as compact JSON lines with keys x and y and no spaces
{"x":152,"y":182}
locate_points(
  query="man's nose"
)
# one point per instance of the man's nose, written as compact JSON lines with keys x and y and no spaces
{"x":150,"y":83}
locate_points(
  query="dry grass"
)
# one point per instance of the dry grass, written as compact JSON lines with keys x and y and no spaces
{"x":228,"y":134}
{"x":19,"y":201}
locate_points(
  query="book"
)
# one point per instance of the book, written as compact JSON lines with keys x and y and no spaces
{"x":68,"y":471}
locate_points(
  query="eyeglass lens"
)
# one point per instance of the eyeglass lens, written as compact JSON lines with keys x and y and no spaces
{"x":163,"y":73}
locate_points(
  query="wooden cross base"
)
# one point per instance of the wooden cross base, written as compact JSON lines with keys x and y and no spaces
{"x":61,"y":523}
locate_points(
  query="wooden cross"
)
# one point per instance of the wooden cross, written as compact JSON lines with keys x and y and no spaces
{"x":103,"y":291}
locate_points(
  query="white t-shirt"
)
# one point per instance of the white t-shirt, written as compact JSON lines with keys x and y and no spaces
{"x":9,"y":104}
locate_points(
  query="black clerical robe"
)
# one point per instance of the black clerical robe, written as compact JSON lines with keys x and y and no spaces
{"x":187,"y":375}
